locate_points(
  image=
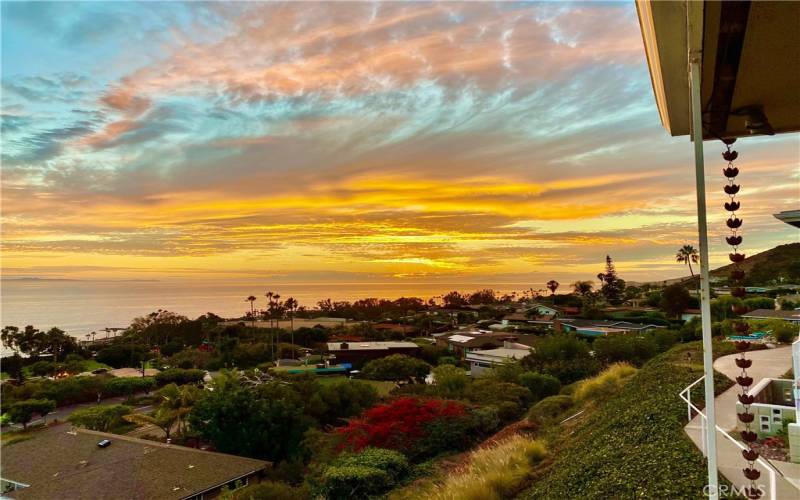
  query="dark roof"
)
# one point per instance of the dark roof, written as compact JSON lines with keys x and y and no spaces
{"x":594,"y":323}
{"x":60,"y":463}
{"x":771,"y":313}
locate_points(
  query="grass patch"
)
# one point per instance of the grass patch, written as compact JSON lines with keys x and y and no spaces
{"x":633,"y":446}
{"x":382,"y":386}
{"x":91,"y":365}
{"x":490,"y":473}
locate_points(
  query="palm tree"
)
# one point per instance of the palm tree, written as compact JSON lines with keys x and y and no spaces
{"x":176,"y":403}
{"x":553,"y":286}
{"x":252,"y":300}
{"x":688,"y":254}
{"x":163,"y":418}
{"x":291,"y":305}
{"x":267,"y":313}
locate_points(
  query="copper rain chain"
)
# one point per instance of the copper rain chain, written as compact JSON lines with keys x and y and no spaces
{"x":736,"y":279}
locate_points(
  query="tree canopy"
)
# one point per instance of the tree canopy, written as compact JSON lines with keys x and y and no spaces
{"x":396,"y":367}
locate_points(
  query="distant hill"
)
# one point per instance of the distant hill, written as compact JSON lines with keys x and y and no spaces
{"x":765,"y":268}
{"x":768,"y":267}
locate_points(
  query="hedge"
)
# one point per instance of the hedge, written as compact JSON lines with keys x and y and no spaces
{"x":180,"y":376}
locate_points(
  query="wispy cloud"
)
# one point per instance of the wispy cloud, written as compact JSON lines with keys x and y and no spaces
{"x":376,"y":139}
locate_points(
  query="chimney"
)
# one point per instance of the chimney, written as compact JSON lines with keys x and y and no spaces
{"x":557,"y":326}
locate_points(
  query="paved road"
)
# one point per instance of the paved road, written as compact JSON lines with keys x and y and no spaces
{"x":63,"y":412}
{"x":770,"y":363}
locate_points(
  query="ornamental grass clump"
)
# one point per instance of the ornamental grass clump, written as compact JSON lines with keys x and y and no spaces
{"x":606,"y":384}
{"x":495,"y":472}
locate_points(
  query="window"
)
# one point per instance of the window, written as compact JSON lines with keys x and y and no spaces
{"x":777,"y":416}
{"x":764,"y":423}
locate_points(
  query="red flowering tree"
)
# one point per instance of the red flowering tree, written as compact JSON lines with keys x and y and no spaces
{"x":408,"y":425}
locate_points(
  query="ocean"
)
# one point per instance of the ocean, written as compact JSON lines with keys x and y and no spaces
{"x":80,"y":307}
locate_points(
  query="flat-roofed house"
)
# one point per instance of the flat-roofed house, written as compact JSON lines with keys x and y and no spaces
{"x":59,"y":462}
{"x":462,"y":342}
{"x":358,"y":353}
{"x":480,"y":361}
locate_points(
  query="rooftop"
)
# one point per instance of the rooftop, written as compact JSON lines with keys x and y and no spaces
{"x":771,"y":313}
{"x":370,"y":346}
{"x":594,"y":323}
{"x":60,"y":463}
{"x":500,"y":352}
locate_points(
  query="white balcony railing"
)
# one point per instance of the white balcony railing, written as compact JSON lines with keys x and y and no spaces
{"x":686,"y":395}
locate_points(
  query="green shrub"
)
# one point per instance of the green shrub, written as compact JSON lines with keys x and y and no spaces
{"x":540,"y":385}
{"x":71,"y":390}
{"x":128,"y":386}
{"x":99,"y":418}
{"x":391,"y":461}
{"x":550,"y":408}
{"x":634,"y":348}
{"x":784,"y":333}
{"x":354,"y":481}
{"x":485,"y":418}
{"x":396,"y":367}
{"x":123,"y":355}
{"x":563,"y":356}
{"x":180,"y":376}
{"x":451,"y":381}
{"x":509,"y":399}
{"x":606,"y":384}
{"x":44,"y":368}
{"x":268,"y":490}
{"x":448,"y":360}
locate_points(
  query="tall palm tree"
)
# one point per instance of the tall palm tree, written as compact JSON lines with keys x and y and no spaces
{"x":688,"y":255}
{"x":291,"y":306}
{"x":553,"y":286}
{"x":252,"y":299}
{"x":268,"y":314}
{"x":276,"y":313}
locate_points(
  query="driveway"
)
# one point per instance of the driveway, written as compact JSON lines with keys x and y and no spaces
{"x":770,"y":363}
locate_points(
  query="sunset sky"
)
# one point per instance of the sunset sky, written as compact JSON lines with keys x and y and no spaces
{"x":352,"y":142}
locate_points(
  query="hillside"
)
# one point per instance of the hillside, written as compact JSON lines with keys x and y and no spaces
{"x":761,"y":269}
{"x":634,"y":445}
{"x":766,"y":267}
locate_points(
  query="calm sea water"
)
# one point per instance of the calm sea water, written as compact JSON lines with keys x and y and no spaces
{"x":79,"y":307}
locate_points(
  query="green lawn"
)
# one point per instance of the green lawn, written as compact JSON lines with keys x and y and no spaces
{"x":383,"y":387}
{"x":91,"y":365}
